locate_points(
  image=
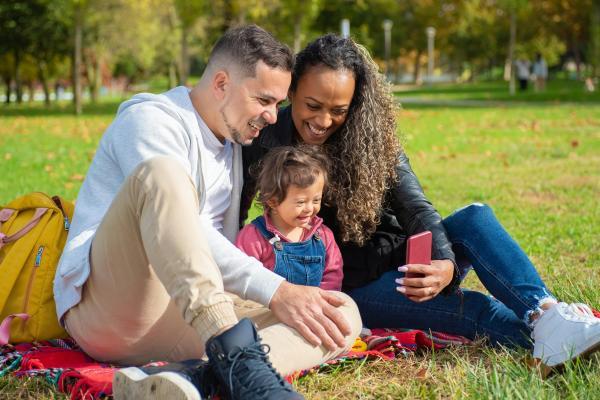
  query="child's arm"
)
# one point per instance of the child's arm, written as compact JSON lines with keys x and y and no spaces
{"x":333,"y":273}
{"x":251,"y":242}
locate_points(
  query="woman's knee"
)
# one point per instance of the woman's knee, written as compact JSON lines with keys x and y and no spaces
{"x":472,"y":216}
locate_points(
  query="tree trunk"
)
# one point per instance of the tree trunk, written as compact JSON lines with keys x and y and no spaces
{"x":297,"y":33}
{"x":184,"y":62}
{"x":92,"y":67}
{"x":172,"y":76}
{"x":7,"y":82}
{"x":577,"y":55}
{"x":417,"y":66}
{"x":18,"y":83}
{"x":31,"y":88}
{"x":510,"y":62}
{"x":44,"y":80}
{"x":77,"y":59}
{"x":594,"y":56}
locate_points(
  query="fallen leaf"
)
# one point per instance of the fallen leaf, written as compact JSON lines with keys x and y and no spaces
{"x":422,"y":374}
{"x":77,"y":177}
{"x":574,"y":143}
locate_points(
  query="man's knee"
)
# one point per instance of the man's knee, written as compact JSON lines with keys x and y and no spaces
{"x":350,"y":311}
{"x":162,"y":173}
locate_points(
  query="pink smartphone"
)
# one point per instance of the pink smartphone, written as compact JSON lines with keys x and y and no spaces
{"x":418,"y":250}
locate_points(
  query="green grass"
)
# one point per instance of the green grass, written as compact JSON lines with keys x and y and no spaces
{"x":557,"y":91}
{"x":537,"y":166}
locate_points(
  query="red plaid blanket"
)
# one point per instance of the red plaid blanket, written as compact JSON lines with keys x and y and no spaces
{"x":65,"y":365}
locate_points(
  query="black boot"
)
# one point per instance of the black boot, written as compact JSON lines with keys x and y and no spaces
{"x":242,"y":367}
{"x":187,"y":380}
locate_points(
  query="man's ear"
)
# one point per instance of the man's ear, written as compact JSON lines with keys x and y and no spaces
{"x":220,"y":84}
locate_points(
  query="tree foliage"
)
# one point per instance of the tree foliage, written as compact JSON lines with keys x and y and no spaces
{"x":138,"y":39}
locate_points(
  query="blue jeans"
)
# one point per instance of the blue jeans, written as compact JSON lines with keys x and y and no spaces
{"x":481,"y":243}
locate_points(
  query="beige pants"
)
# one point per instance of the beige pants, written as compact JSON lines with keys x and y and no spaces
{"x":155,"y":292}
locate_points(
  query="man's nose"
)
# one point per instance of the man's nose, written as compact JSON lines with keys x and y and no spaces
{"x":270,"y":114}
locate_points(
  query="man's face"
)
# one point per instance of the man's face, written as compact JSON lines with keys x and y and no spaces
{"x":251,"y":103}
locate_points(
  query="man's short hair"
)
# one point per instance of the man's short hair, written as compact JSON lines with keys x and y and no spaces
{"x":246,"y":45}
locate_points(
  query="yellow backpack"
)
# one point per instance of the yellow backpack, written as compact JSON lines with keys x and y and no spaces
{"x":33,"y":232}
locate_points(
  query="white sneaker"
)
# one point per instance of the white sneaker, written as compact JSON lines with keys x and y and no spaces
{"x":565,"y":331}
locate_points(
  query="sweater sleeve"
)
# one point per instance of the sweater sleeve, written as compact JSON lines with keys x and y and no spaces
{"x":333,"y":273}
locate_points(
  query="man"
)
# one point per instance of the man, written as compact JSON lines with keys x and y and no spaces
{"x":149,"y":255}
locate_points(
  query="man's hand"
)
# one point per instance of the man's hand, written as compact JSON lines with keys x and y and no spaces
{"x":425,"y":281}
{"x":313,"y":313}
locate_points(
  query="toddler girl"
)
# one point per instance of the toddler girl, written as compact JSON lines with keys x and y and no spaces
{"x":289,"y":238}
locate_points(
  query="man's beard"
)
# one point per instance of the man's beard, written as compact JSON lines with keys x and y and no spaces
{"x":236,"y":136}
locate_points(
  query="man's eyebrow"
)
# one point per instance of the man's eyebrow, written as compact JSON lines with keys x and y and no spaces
{"x":267,"y":96}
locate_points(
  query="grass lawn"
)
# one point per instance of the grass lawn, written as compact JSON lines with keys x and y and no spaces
{"x":537,"y":166}
{"x":557,"y":91}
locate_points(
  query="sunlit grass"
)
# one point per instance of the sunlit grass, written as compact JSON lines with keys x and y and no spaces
{"x":537,"y":166}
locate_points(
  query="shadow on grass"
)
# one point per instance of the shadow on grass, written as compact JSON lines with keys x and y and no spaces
{"x":104,"y":108}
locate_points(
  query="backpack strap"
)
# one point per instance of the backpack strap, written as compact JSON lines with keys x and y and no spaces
{"x":5,"y":327}
{"x":4,"y":239}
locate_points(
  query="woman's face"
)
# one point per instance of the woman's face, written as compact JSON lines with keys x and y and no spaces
{"x":321,"y":102}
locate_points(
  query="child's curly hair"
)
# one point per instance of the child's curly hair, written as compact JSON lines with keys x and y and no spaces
{"x":285,"y":166}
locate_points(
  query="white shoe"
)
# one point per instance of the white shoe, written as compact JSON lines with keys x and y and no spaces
{"x":173,"y":381}
{"x":564,"y":332}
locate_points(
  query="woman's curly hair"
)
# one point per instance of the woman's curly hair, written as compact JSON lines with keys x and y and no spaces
{"x":364,"y":151}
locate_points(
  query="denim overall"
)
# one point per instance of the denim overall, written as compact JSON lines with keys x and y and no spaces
{"x":301,"y":263}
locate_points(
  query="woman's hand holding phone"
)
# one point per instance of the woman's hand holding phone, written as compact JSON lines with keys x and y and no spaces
{"x":423,"y":278}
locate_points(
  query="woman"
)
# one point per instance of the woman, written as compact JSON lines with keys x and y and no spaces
{"x":339,"y":100}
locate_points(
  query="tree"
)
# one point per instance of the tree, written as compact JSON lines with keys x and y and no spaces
{"x":188,"y":12}
{"x":16,"y":30}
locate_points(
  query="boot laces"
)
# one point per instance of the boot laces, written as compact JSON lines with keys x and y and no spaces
{"x":253,"y":370}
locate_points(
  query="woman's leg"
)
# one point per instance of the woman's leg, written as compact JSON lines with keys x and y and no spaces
{"x":478,"y":240}
{"x":468,"y":313}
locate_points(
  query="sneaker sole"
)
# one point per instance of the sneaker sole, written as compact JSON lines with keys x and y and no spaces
{"x":133,"y":384}
{"x":583,"y":354}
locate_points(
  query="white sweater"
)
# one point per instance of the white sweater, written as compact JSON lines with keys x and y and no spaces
{"x":147,"y":126}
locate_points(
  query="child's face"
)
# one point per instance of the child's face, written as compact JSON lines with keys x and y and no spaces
{"x":299,"y":206}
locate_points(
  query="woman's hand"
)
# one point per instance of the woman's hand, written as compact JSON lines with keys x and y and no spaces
{"x":424,"y":282}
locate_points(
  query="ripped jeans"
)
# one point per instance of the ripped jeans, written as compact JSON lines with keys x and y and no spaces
{"x":480,"y":243}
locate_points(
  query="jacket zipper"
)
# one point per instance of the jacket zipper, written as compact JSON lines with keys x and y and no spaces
{"x":36,"y":265}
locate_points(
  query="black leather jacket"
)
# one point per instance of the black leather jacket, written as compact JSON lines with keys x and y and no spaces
{"x":406,"y":209}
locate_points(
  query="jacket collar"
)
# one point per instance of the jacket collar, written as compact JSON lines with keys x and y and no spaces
{"x":315,"y":224}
